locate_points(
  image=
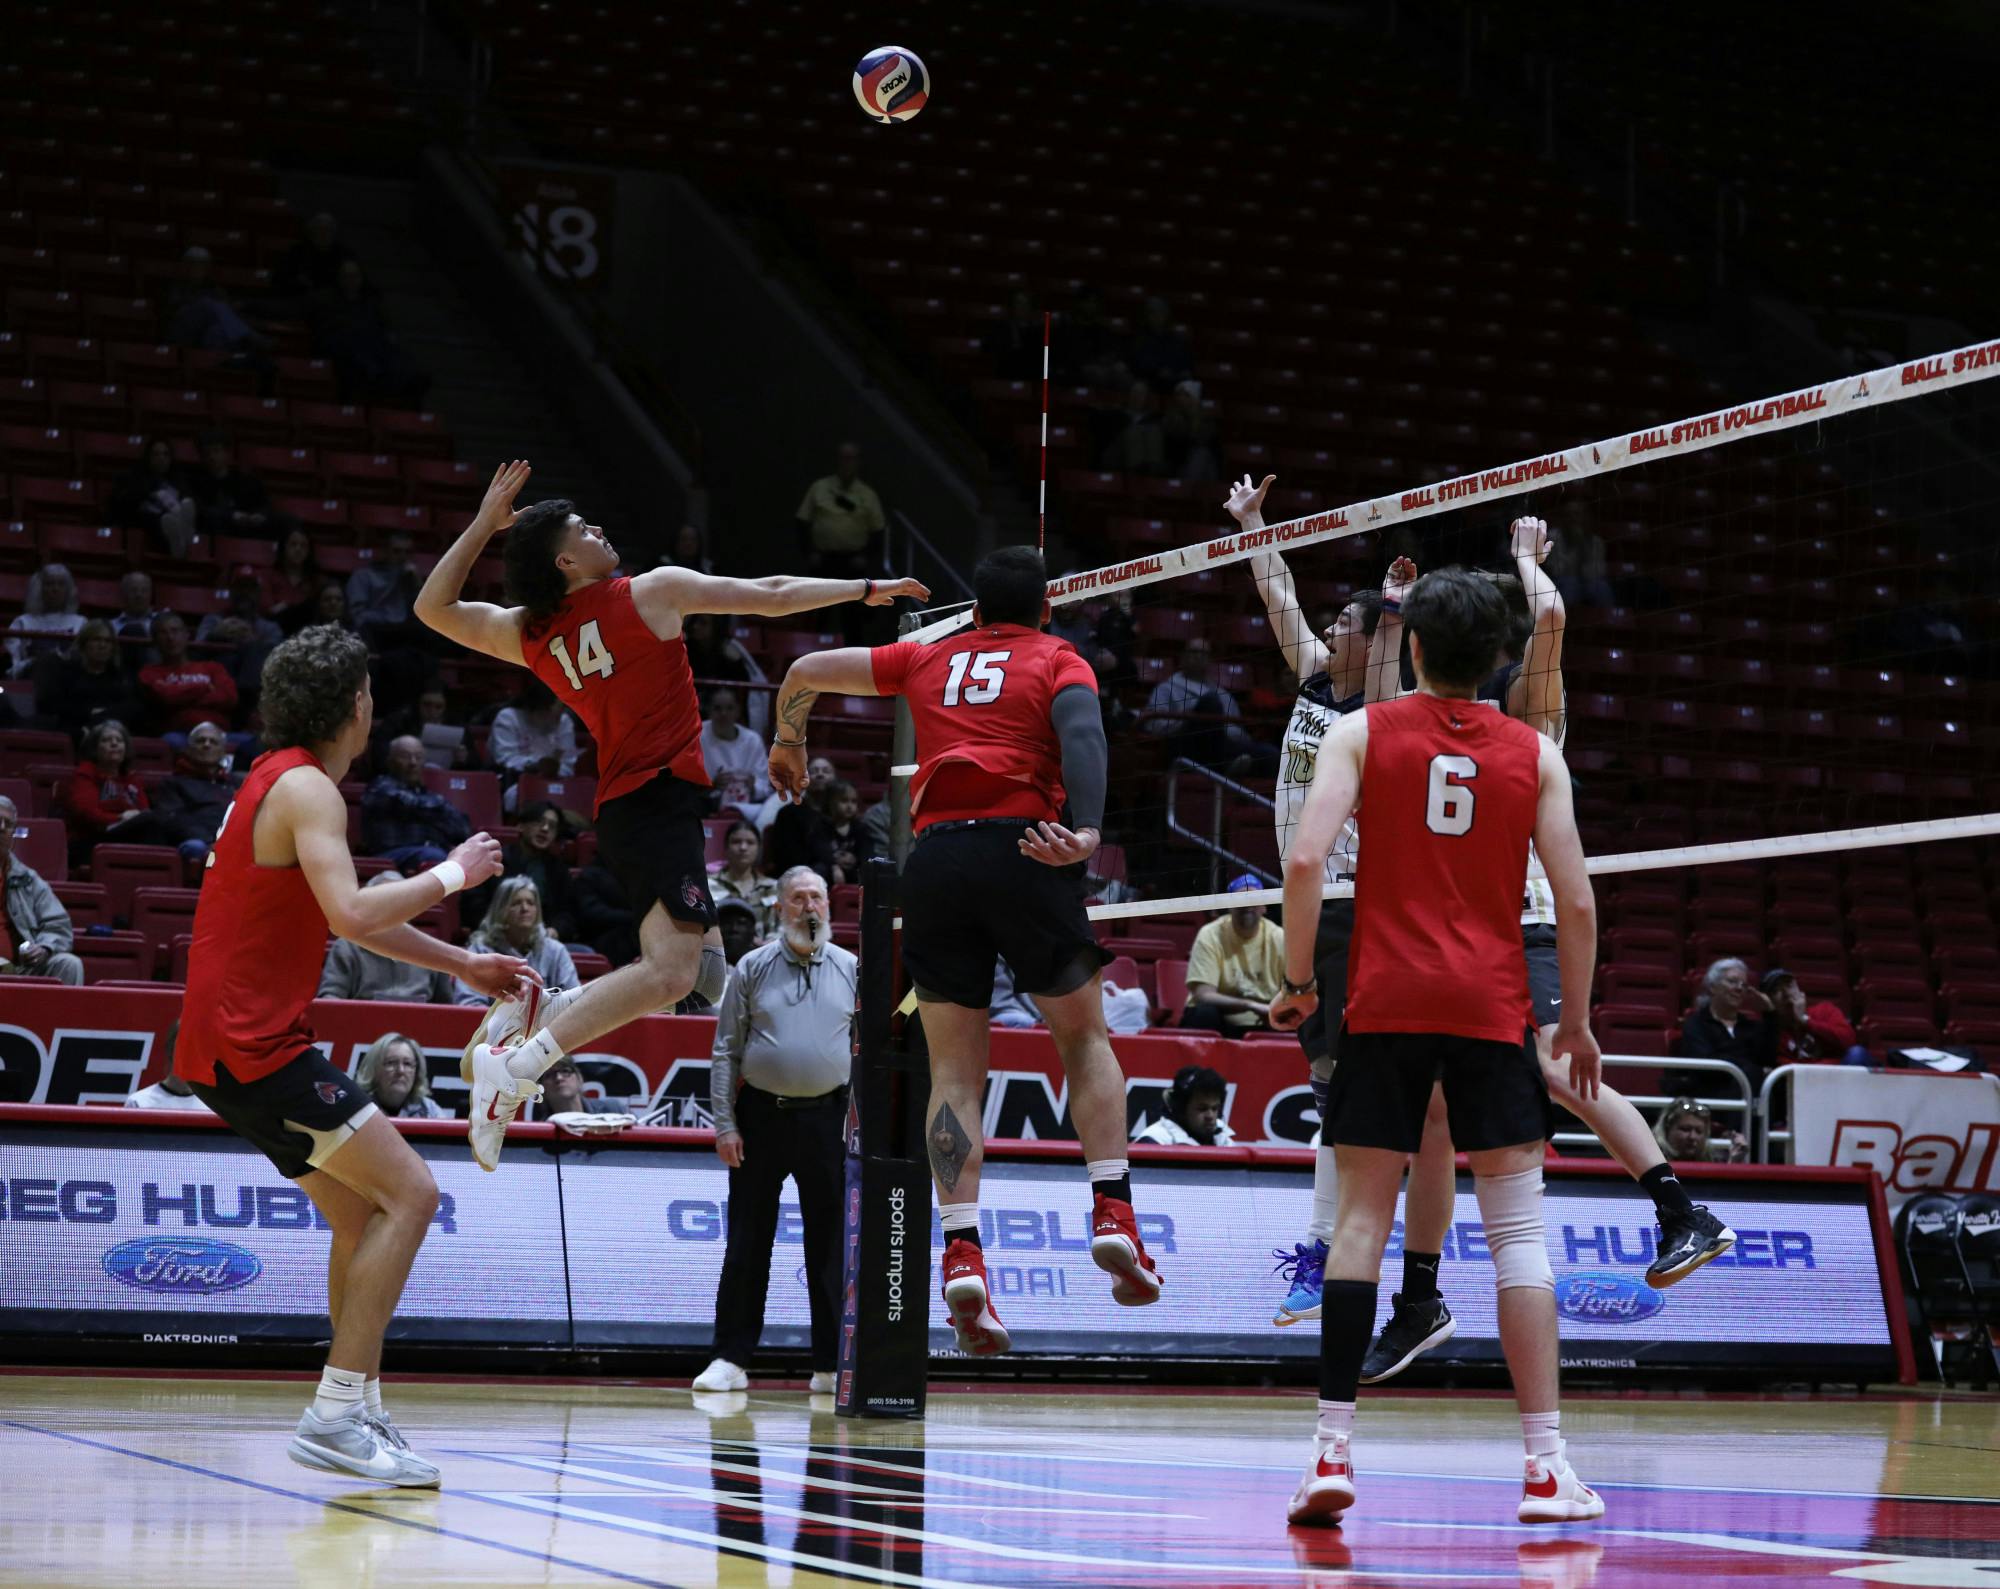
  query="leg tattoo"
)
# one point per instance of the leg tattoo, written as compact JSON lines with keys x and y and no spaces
{"x":950,"y":1147}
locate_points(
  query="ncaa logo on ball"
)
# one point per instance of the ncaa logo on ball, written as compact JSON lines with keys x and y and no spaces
{"x":892,"y":84}
{"x":1606,"y":1299}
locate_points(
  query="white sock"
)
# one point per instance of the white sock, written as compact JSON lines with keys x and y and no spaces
{"x":1541,"y":1433}
{"x":371,"y":1395}
{"x":1336,"y":1421}
{"x":958,"y":1216}
{"x":1107,"y":1169}
{"x":534,"y":1056}
{"x":1325,"y":1195}
{"x":339,"y":1390}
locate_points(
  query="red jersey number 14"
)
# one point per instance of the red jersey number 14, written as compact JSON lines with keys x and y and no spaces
{"x":591,"y":656}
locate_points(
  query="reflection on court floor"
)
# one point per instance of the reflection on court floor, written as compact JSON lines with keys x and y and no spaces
{"x":184,"y":1481}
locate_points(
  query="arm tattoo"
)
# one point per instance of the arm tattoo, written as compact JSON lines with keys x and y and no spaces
{"x":794,"y":707}
{"x":950,"y":1147}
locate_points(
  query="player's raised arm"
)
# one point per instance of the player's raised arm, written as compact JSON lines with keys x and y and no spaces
{"x":1561,"y":852}
{"x":1336,"y":789}
{"x":848,"y":671}
{"x":1536,"y":695}
{"x":1304,"y":651}
{"x":1385,"y":646}
{"x":663,"y":590}
{"x":478,"y":625}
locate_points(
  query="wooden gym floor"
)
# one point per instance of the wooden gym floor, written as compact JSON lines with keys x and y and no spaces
{"x":148,"y":1482}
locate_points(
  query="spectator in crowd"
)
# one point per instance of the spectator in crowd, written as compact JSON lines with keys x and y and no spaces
{"x":286,"y":590}
{"x":1013,"y":343}
{"x":533,"y":734}
{"x":435,"y":721}
{"x":404,"y":821}
{"x":739,"y":878}
{"x":1718,"y":1028}
{"x":196,"y":797}
{"x":1236,"y":967}
{"x":153,"y":496}
{"x":228,"y":501}
{"x":798,"y":835}
{"x":604,"y":918}
{"x":1159,"y":353}
{"x":735,"y":757}
{"x":513,"y":925}
{"x":202,"y":314}
{"x":690,"y":550}
{"x":850,"y":842}
{"x":392,"y":1072}
{"x":350,"y":328}
{"x":1086,"y":349}
{"x":330,"y":606}
{"x":737,"y":923}
{"x":1193,"y":1117}
{"x":312,"y":264}
{"x":714,"y":656}
{"x":562,"y":1091}
{"x":1686,"y":1134}
{"x":104,"y":801}
{"x":133,"y":626}
{"x":354,"y":972}
{"x":35,"y":932}
{"x":1196,"y":716}
{"x":785,"y":1031}
{"x":1010,"y":1006}
{"x":1134,"y":443}
{"x":179,"y":690}
{"x":878,"y":819}
{"x":536,"y":854}
{"x":1193,"y":446}
{"x":1798,"y":1034}
{"x":48,"y":621}
{"x":840,"y":521}
{"x":242,"y":635}
{"x":81,"y":691}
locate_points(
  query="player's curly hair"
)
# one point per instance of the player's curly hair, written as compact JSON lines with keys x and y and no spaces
{"x":309,"y":685}
{"x":528,"y":561}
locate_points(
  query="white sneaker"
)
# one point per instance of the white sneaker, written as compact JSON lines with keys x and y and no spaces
{"x":497,"y":1096}
{"x":821,"y":1384}
{"x":507,"y":1022}
{"x":1552,"y":1493}
{"x":722,"y":1375}
{"x":353,"y":1444}
{"x":1326,"y":1491}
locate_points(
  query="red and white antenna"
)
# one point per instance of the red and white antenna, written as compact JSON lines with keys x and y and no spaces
{"x":1042,"y":507}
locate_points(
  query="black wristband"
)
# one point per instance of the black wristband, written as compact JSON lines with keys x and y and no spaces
{"x":867,"y":588}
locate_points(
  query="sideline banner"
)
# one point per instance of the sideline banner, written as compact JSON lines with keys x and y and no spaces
{"x":1919,"y":1131}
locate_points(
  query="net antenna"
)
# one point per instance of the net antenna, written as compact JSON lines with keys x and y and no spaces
{"x":1042,"y":503}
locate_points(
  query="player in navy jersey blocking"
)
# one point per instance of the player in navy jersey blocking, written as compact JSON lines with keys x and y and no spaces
{"x":1008,"y":733}
{"x":1438,"y":993}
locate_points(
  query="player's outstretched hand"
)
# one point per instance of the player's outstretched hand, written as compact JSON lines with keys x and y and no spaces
{"x":1288,"y":1011}
{"x":496,"y":511}
{"x":1586,"y":1064}
{"x":1054,"y":845}
{"x":729,"y":1148}
{"x":888,"y":590}
{"x":480,"y":857}
{"x":1397,"y":582}
{"x":1246,"y":499}
{"x":1531,"y":539}
{"x":787,"y":766}
{"x":499,"y":976}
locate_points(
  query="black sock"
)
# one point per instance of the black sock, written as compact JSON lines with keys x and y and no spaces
{"x":971,"y":1235}
{"x":1346,"y":1321}
{"x":1420,"y":1276}
{"x":1667,"y":1193}
{"x":1120,"y":1188}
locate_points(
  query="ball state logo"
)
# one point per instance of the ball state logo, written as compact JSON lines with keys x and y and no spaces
{"x":693,"y":895}
{"x":329,"y":1091}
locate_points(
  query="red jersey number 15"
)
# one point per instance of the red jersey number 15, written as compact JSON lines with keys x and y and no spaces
{"x":983,"y":669}
{"x":591,"y":657}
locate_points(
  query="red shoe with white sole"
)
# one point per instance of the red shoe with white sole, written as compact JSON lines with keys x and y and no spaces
{"x":1116,"y":1249}
{"x":1552,"y":1493}
{"x":980,"y":1332}
{"x":1326,"y":1491}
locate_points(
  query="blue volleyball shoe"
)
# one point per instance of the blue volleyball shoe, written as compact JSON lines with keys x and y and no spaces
{"x":1305,"y":1267}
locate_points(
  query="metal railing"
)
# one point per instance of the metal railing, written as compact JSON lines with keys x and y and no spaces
{"x":1219,"y":854}
{"x":922,"y":560}
{"x":1738,"y":1102}
{"x":1769,"y":1139}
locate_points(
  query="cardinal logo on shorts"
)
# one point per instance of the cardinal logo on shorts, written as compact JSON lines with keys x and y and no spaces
{"x":329,"y":1091}
{"x":693,"y":895}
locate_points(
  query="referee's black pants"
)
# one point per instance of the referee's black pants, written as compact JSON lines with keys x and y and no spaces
{"x":808,"y":1145}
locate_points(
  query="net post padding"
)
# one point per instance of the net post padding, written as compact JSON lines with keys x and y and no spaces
{"x":1760,"y":417}
{"x":886,"y":1224}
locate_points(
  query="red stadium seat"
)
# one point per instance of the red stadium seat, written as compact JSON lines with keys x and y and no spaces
{"x":87,"y":903}
{"x":567,"y":794}
{"x":42,"y":845}
{"x":1624,"y":1029}
{"x":589,"y":966}
{"x":124,"y":869}
{"x":121,"y":956}
{"x":444,"y":483}
{"x":374,"y":477}
{"x":1171,"y":979}
{"x":160,"y":914}
{"x":21,"y":748}
{"x":477,"y":794}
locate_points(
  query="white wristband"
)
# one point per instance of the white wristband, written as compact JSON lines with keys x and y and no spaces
{"x":451,"y":874}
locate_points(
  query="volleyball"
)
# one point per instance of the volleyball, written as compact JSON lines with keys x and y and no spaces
{"x":892,"y":84}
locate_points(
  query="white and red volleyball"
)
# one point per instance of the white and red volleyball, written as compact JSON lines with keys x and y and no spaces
{"x":892,"y":83}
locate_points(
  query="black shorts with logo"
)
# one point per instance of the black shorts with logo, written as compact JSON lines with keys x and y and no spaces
{"x":1319,"y":1032}
{"x":296,"y":1116}
{"x":1494,"y":1094}
{"x":653,"y":842}
{"x":970,"y":897}
{"x":1538,"y":945}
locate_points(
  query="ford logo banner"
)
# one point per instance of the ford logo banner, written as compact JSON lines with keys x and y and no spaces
{"x":182,"y":1265}
{"x":1606,"y":1299}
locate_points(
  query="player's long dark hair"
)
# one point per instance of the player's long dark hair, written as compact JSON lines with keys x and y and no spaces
{"x":309,"y":686}
{"x":528,"y":560}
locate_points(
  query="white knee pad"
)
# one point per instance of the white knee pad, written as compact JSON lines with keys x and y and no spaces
{"x":1511,"y":1206}
{"x":713,"y":977}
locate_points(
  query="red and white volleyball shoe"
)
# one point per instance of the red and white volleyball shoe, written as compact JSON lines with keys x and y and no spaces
{"x":1552,"y":1493}
{"x":1326,"y":1491}
{"x":980,"y":1332}
{"x":1116,"y":1249}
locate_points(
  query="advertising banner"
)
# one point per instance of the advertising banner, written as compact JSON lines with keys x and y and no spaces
{"x":1919,"y":1131}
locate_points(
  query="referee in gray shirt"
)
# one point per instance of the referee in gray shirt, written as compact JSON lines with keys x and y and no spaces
{"x":784,"y":1032}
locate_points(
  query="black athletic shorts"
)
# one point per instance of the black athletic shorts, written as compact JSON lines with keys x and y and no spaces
{"x":653,"y":842}
{"x":1544,"y":978}
{"x":970,"y":897}
{"x":1494,"y":1094}
{"x":1319,"y":1031}
{"x":295,"y":1116}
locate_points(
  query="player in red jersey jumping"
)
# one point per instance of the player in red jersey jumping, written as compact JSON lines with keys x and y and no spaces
{"x":1438,"y":992}
{"x":1008,"y":725}
{"x":279,"y":878}
{"x":612,"y":651}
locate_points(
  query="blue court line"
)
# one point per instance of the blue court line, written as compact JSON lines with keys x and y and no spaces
{"x":343,"y":1506}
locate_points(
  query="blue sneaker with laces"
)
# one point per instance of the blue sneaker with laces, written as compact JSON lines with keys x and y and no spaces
{"x":1305,"y":1267}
